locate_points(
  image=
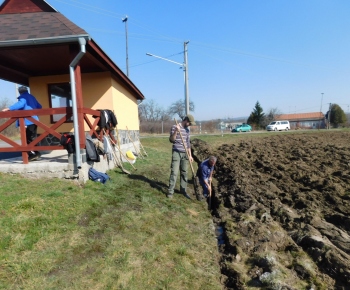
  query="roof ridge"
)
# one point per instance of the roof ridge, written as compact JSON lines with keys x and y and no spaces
{"x":25,"y":6}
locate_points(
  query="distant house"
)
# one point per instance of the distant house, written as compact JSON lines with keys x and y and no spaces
{"x":314,"y":120}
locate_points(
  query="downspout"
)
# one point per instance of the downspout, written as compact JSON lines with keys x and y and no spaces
{"x":72,"y":65}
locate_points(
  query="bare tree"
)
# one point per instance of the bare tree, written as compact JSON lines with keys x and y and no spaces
{"x":271,"y":115}
{"x":11,"y":130}
{"x":4,"y":103}
{"x":150,"y":111}
{"x":179,"y":108}
{"x":209,"y":126}
{"x":153,"y":118}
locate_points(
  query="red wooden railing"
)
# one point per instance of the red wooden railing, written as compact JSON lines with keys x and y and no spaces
{"x":52,"y":129}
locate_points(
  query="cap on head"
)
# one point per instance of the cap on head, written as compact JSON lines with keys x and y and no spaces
{"x":190,"y":119}
{"x":22,"y":89}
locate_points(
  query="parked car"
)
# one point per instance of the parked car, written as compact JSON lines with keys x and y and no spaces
{"x":278,"y":126}
{"x":242,"y":128}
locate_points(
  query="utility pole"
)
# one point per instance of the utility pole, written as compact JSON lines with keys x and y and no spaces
{"x":329,"y":116}
{"x":187,"y":96}
{"x":125,"y":20}
{"x":319,"y":122}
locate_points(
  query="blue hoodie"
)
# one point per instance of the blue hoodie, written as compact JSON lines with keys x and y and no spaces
{"x":205,"y":170}
{"x":26,"y":101}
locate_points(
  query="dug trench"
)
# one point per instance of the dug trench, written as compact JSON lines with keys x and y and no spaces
{"x":283,"y":202}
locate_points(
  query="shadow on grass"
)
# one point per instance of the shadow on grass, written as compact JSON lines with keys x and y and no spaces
{"x":161,"y":186}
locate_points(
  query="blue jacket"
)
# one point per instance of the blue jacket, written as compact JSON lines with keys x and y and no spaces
{"x":26,"y":101}
{"x":204,"y":170}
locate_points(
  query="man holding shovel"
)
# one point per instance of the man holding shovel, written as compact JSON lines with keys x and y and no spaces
{"x":180,"y":137}
{"x":205,"y":173}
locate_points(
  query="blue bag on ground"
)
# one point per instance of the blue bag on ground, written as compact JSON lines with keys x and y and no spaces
{"x":95,"y":175}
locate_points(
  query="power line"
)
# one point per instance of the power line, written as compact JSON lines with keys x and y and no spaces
{"x":163,"y":37}
{"x":91,"y":8}
{"x":234,"y":51}
{"x":116,"y":15}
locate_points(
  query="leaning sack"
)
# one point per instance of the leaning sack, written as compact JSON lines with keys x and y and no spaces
{"x":91,"y":151}
{"x":97,"y":176}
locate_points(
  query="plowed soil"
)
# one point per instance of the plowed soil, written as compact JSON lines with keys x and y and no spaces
{"x":284,"y":202}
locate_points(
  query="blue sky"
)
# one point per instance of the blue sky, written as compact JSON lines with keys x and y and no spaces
{"x":284,"y":54}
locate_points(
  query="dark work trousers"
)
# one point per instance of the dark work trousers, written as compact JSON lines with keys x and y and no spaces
{"x":179,"y":161}
{"x":31,"y":135}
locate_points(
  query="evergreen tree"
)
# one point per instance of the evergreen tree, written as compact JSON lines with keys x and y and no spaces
{"x":337,"y":115}
{"x":257,"y":116}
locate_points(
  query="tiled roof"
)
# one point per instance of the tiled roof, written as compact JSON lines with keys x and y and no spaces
{"x":36,"y":40}
{"x":36,"y":25}
{"x":301,"y":116}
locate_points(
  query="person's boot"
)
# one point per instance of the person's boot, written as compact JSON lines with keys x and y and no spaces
{"x":32,"y":157}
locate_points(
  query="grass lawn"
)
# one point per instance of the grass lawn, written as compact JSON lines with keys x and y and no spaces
{"x":55,"y":234}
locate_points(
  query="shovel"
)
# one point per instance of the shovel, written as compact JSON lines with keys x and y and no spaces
{"x":195,"y":178}
{"x":144,"y":151}
{"x":120,"y":150}
{"x":209,"y":200}
{"x":117,"y":161}
{"x":136,"y":149}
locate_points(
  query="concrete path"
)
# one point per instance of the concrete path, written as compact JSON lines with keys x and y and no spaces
{"x":51,"y":164}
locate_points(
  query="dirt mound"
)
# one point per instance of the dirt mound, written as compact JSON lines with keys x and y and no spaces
{"x":284,"y":204}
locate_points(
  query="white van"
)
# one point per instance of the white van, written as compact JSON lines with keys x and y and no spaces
{"x":278,"y":126}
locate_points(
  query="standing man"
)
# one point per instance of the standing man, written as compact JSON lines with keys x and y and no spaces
{"x":27,"y":101}
{"x":179,"y":156}
{"x":205,"y":174}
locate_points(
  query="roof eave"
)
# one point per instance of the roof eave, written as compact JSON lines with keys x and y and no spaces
{"x":50,"y":6}
{"x":46,"y":40}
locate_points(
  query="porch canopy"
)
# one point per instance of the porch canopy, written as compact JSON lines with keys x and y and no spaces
{"x":36,"y":40}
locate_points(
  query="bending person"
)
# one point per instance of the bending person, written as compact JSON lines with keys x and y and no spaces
{"x":205,"y":173}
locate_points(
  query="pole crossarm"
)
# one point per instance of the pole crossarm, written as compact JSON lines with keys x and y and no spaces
{"x":184,"y":65}
{"x":181,"y":64}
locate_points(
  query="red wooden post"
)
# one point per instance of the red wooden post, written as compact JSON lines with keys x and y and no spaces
{"x":22,"y":128}
{"x":80,"y":105}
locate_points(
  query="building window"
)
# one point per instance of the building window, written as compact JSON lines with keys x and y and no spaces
{"x":60,"y":96}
